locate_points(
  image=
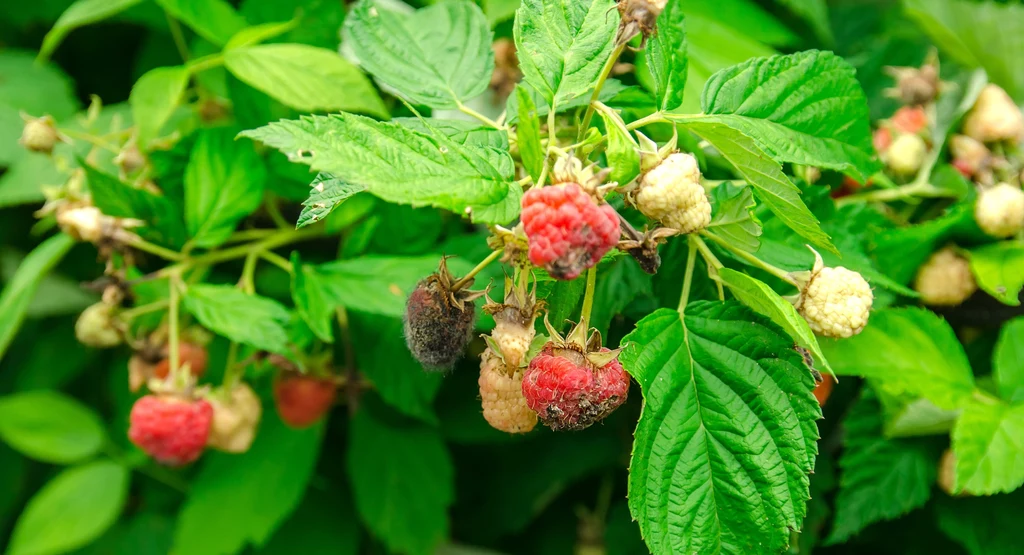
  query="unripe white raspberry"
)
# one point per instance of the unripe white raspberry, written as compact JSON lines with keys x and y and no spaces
{"x":513,"y":340}
{"x":39,"y":135}
{"x":968,"y":154}
{"x":671,"y":193}
{"x":994,"y":117}
{"x":945,"y":279}
{"x":906,"y":154}
{"x":836,"y":302}
{"x":95,"y":327}
{"x":234,"y":420}
{"x":999,"y":210}
{"x":502,"y":398}
{"x":84,"y":223}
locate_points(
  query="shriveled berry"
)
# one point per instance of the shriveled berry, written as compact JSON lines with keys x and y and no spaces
{"x":994,"y":117}
{"x":173,"y":430}
{"x":945,"y":279}
{"x":439,"y":320}
{"x":999,"y":210}
{"x":671,"y":193}
{"x":39,"y":134}
{"x":302,"y":400}
{"x":235,"y":418}
{"x":501,"y":396}
{"x":567,"y":229}
{"x":95,"y":327}
{"x":835,"y":302}
{"x":191,"y":355}
{"x":568,"y":392}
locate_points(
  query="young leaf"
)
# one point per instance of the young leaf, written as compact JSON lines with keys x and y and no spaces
{"x":80,"y":14}
{"x":765,"y":301}
{"x":326,"y":193}
{"x":154,"y":97}
{"x":999,"y":269}
{"x":305,"y":77}
{"x":259,"y":33}
{"x":249,"y":319}
{"x":528,"y":134}
{"x":116,"y":198}
{"x":805,"y":108}
{"x":438,"y":56}
{"x":1008,"y":361}
{"x":51,"y":427}
{"x":733,"y":218}
{"x":773,"y":188}
{"x":393,"y":162}
{"x":907,"y":350}
{"x":233,"y":502}
{"x":666,"y":57}
{"x":622,"y":155}
{"x":71,"y":510}
{"x":214,"y":20}
{"x":18,"y":291}
{"x":988,"y":449}
{"x":564,"y":45}
{"x":881,"y":478}
{"x":382,"y":481}
{"x":727,"y":435}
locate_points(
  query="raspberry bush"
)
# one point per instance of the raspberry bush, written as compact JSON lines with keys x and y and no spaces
{"x":537,"y":276}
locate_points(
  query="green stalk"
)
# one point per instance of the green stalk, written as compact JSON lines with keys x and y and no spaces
{"x":588,"y":298}
{"x":691,"y":262}
{"x":751,"y":259}
{"x":605,"y":72}
{"x":476,"y":270}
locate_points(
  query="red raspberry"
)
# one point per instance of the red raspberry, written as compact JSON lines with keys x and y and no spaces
{"x":190,"y":354}
{"x":301,"y":399}
{"x":881,"y":139}
{"x":910,"y":119}
{"x":568,"y":392}
{"x":568,"y":231}
{"x":172,"y":430}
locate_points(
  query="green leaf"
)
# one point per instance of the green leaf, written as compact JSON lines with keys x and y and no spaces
{"x":71,"y":510}
{"x":36,"y":89}
{"x":214,"y":20}
{"x":805,"y":108}
{"x":249,"y":319}
{"x":907,"y":350}
{"x":618,"y":284}
{"x":984,"y":525}
{"x":909,"y":416}
{"x":318,"y":21}
{"x":223,"y":184}
{"x":260,"y":33}
{"x":733,"y":218}
{"x":567,"y":45}
{"x":80,"y":14}
{"x":666,"y":57}
{"x":1008,"y":361}
{"x":393,"y":162}
{"x":765,"y":301}
{"x":611,"y":90}
{"x":326,"y":193}
{"x":816,"y":13}
{"x":404,"y":505}
{"x":747,"y":19}
{"x":881,"y":478}
{"x":237,"y":500}
{"x":305,"y":77}
{"x":51,"y":427}
{"x":727,"y":435}
{"x":528,"y":135}
{"x":988,"y":449}
{"x":999,"y":269}
{"x":18,"y":291}
{"x":324,"y":524}
{"x":773,"y":188}
{"x":154,"y":97}
{"x":119,"y":199}
{"x":622,"y":155}
{"x":438,"y":56}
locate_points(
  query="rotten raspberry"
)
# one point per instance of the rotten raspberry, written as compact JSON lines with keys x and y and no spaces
{"x":171,"y":429}
{"x":439,"y":319}
{"x":501,"y":396}
{"x":568,"y":230}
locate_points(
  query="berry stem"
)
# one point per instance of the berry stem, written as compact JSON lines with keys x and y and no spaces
{"x":588,"y":298}
{"x":691,"y":262}
{"x":471,"y":112}
{"x":277,"y":260}
{"x":135,"y":312}
{"x":350,"y":380}
{"x":464,"y":280}
{"x":138,"y":243}
{"x":752,"y":260}
{"x":714,"y":264}
{"x":901,"y":192}
{"x":177,"y":36}
{"x":232,"y":370}
{"x":605,"y":72}
{"x":656,"y":117}
{"x":174,"y":295}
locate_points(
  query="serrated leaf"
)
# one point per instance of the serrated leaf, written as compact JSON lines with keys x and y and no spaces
{"x":805,"y":108}
{"x":667,"y":58}
{"x":116,"y":198}
{"x":772,"y":186}
{"x":223,"y":183}
{"x":393,"y":162}
{"x":80,"y":14}
{"x":988,"y":448}
{"x":237,"y":500}
{"x":528,"y":134}
{"x":326,"y":193}
{"x":984,"y":525}
{"x":382,"y":479}
{"x":71,"y":510}
{"x":765,"y":301}
{"x":305,"y":77}
{"x":907,"y":350}
{"x":881,"y":479}
{"x":51,"y":427}
{"x":612,"y":89}
{"x":249,"y":319}
{"x":153,"y":99}
{"x":214,"y":20}
{"x":1008,"y":361}
{"x":727,"y":435}
{"x":732,"y":218}
{"x":622,"y":155}
{"x":18,"y":291}
{"x":564,"y":45}
{"x":999,"y":270}
{"x":438,"y":56}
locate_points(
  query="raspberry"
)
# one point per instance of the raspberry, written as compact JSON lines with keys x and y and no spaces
{"x":439,"y":319}
{"x":946,"y":475}
{"x":945,"y":279}
{"x":915,"y":86}
{"x":881,"y":139}
{"x":835,"y":301}
{"x":910,"y":119}
{"x":822,"y":390}
{"x":301,"y":399}
{"x":39,"y":134}
{"x":969,"y":155}
{"x":569,"y":392}
{"x":994,"y":117}
{"x":235,"y":418}
{"x":502,"y":398}
{"x":671,"y":193}
{"x":906,"y":154}
{"x":999,"y":210}
{"x":83,"y":223}
{"x":191,"y":355}
{"x":173,"y":430}
{"x":95,"y":327}
{"x":568,"y":230}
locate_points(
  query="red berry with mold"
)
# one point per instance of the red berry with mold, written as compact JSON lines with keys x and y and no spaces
{"x":171,"y":429}
{"x":568,"y":230}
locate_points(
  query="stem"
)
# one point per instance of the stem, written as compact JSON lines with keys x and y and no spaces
{"x":178,"y":36}
{"x":156,"y":250}
{"x":250,"y":235}
{"x":172,"y":323}
{"x":351,"y":380}
{"x":91,"y":139}
{"x":232,"y":370}
{"x":588,"y":298}
{"x":277,"y":260}
{"x":132,"y":313}
{"x":751,"y":259}
{"x":247,"y":281}
{"x":656,"y":117}
{"x":279,"y":239}
{"x":605,"y":72}
{"x":205,"y":62}
{"x":471,"y":112}
{"x":691,"y":262}
{"x":714,"y":264}
{"x":898,"y":193}
{"x":552,"y":135}
{"x":274,"y":211}
{"x":462,"y":282}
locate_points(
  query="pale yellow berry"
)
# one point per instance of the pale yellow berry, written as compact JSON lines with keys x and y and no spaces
{"x":999,"y":210}
{"x":671,"y":193}
{"x":39,"y":135}
{"x":84,"y":223}
{"x":994,"y":117}
{"x":95,"y":327}
{"x":971,"y":153}
{"x":906,"y":154}
{"x":513,"y":341}
{"x":836,"y":302}
{"x":501,"y":396}
{"x":945,"y":279}
{"x":234,"y":420}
